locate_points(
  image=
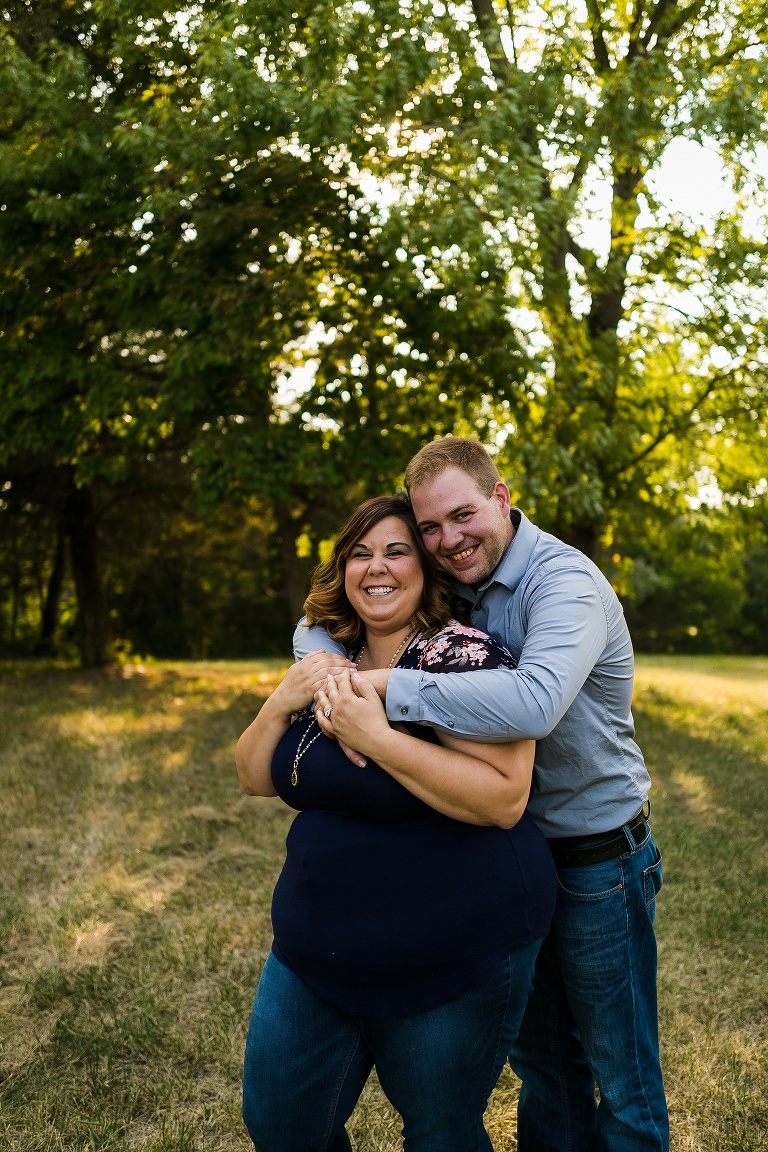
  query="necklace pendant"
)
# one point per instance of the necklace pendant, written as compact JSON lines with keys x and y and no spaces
{"x":295,"y":773}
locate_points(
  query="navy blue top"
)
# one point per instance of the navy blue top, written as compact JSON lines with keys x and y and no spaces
{"x":385,"y":907}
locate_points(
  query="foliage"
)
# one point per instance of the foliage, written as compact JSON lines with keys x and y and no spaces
{"x":273,"y":250}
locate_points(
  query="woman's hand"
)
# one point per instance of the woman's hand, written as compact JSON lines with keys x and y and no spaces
{"x":306,"y":677}
{"x":348,"y":707}
{"x":256,"y":746}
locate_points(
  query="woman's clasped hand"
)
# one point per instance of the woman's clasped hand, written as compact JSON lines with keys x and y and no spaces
{"x":348,"y":708}
{"x":308,"y":677}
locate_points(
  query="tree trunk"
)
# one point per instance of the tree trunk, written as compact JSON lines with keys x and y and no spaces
{"x":50,"y":617}
{"x":95,"y":633}
{"x":293,"y":573}
{"x":15,"y":584}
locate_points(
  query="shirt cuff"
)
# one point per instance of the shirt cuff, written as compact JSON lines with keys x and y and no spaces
{"x":403,"y":702}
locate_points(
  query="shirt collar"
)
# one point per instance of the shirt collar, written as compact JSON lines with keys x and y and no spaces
{"x":512,"y":567}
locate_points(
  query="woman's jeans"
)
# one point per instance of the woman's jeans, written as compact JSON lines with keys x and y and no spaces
{"x":592,"y":1016}
{"x":306,"y":1063}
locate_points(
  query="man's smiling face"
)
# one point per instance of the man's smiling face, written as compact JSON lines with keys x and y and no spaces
{"x":466,"y":531}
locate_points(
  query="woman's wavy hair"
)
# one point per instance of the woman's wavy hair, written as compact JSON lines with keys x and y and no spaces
{"x":327,"y":603}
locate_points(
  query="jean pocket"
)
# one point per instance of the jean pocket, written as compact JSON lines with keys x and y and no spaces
{"x":591,"y":882}
{"x":652,"y":880}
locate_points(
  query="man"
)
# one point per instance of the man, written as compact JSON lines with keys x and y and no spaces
{"x":591,"y":1017}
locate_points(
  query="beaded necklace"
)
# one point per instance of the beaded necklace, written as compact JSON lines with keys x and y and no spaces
{"x":397,"y":650}
{"x":302,"y":748}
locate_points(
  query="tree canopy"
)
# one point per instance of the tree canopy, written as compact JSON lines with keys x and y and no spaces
{"x":260,"y":253}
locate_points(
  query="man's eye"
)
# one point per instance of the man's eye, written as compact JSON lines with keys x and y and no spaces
{"x":427,"y":528}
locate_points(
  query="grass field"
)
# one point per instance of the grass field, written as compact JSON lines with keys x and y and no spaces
{"x":137,"y":882}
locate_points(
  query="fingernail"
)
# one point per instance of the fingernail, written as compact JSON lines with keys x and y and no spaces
{"x":357,"y":676}
{"x":361,"y":763}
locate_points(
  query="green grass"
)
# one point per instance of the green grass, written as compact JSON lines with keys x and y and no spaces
{"x":137,"y":879}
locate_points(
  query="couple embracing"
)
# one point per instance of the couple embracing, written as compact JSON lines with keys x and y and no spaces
{"x":471,"y":876}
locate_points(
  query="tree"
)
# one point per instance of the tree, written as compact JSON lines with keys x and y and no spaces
{"x":492,"y":128}
{"x":68,"y":198}
{"x":140,"y":298}
{"x":397,"y":200}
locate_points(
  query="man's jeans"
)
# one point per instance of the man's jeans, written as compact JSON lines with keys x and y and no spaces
{"x":306,"y":1063}
{"x":592,"y":1016}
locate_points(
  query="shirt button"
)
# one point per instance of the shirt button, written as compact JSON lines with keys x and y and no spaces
{"x":450,"y":723}
{"x":404,"y":711}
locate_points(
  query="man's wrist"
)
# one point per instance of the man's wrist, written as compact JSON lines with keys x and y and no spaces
{"x":402,"y":696}
{"x":379,"y":678}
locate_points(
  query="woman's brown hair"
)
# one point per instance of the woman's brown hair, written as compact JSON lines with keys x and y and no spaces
{"x":327,"y":603}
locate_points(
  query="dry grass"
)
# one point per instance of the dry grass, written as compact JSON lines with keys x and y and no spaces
{"x":137,"y":882}
{"x":703,"y":724}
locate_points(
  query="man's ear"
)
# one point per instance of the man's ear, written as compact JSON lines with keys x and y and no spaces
{"x":501,"y":494}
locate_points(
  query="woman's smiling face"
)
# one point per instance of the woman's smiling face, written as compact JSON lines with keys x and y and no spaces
{"x":383,"y":578}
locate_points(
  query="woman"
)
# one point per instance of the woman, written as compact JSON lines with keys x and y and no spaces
{"x":415,"y":891}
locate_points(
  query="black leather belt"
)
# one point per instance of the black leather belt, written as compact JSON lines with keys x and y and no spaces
{"x":576,"y":851}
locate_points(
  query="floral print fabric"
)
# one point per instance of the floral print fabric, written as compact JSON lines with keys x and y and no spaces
{"x":457,"y":648}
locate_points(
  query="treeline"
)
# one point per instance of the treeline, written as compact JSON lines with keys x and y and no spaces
{"x":188,"y":582}
{"x":252,"y":256}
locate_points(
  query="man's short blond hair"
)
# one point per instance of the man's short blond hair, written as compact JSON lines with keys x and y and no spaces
{"x":452,"y":452}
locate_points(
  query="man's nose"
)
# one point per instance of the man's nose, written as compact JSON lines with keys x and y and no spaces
{"x":451,"y":536}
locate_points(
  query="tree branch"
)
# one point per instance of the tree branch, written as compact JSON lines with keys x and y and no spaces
{"x":587,"y":259}
{"x":488,"y":26}
{"x":657,"y":16}
{"x":557,"y":239}
{"x":726,"y":57}
{"x":579,"y":172}
{"x":511,"y":19}
{"x":685,"y":16}
{"x":673,"y":425}
{"x":606,"y":310}
{"x":598,"y":40}
{"x":636,"y":20}
{"x":665,"y":31}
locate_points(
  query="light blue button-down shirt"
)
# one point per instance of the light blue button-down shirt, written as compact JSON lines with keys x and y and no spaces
{"x":571,"y":692}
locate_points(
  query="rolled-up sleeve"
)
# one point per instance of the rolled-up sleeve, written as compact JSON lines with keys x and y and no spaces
{"x":566,"y":630}
{"x":311,"y":638}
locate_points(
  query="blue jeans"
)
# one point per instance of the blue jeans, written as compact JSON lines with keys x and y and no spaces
{"x":592,"y":1016}
{"x":306,"y":1063}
